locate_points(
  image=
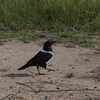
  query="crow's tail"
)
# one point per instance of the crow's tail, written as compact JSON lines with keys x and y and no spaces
{"x":23,"y":67}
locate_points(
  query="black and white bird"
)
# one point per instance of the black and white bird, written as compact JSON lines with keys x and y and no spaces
{"x":42,"y":57}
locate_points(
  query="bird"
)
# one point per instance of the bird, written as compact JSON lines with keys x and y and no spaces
{"x":42,"y":57}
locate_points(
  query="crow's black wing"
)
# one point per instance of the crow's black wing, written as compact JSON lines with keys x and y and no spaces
{"x":41,"y":57}
{"x":37,"y":60}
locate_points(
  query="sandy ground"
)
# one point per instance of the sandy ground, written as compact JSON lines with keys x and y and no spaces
{"x":76,"y":75}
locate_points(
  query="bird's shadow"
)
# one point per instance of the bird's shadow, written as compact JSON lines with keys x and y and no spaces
{"x":12,"y":75}
{"x":15,"y":75}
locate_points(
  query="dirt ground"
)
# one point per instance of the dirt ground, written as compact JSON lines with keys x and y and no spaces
{"x":76,"y":74}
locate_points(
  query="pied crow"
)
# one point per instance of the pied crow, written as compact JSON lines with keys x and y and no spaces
{"x":42,"y":57}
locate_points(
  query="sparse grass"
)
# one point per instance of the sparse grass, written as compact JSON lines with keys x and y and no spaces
{"x":8,"y":35}
{"x":25,"y":37}
{"x":74,"y":38}
{"x":79,"y":38}
{"x":28,"y":37}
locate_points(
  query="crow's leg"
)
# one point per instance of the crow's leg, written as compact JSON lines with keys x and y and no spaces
{"x":38,"y":70}
{"x":44,"y":66}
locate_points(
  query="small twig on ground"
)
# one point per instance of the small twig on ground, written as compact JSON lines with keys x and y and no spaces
{"x":56,"y":90}
{"x":23,"y":84}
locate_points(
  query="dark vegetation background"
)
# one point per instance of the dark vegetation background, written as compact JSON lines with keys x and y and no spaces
{"x":75,"y":21}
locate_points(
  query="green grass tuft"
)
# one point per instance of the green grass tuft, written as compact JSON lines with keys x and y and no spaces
{"x":28,"y":37}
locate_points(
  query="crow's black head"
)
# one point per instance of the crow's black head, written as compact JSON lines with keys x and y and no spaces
{"x":48,"y":45}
